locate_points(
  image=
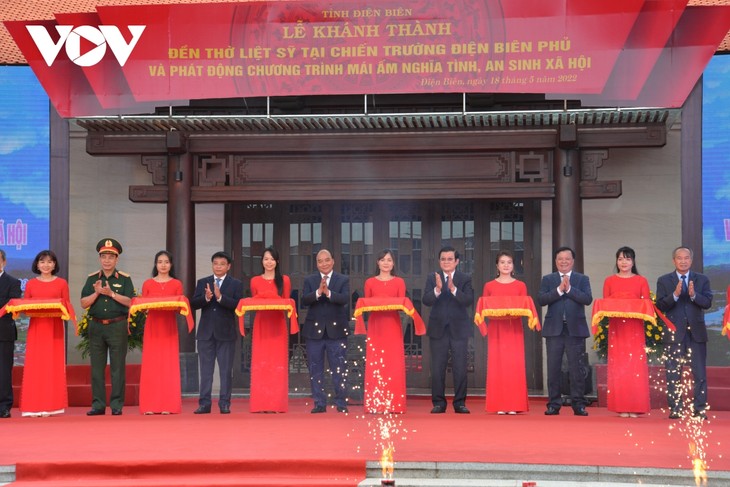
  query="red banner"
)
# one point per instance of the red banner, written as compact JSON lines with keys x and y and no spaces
{"x":128,"y":58}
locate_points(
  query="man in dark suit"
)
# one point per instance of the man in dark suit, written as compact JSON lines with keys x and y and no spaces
{"x":217,"y":297}
{"x":9,"y":289}
{"x":683,"y":295}
{"x":566,"y":293}
{"x":449,"y":293}
{"x":327,"y":294}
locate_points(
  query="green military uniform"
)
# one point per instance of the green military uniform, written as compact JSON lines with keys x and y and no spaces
{"x":108,"y":333}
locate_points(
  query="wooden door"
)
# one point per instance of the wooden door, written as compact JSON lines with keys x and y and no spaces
{"x":355,"y":232}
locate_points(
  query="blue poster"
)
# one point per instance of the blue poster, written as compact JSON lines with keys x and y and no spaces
{"x":716,"y":197}
{"x":24,"y":175}
{"x":25,"y":163}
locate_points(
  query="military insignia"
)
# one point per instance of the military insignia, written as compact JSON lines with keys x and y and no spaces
{"x":116,"y":285}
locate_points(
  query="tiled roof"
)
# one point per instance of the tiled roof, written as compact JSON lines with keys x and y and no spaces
{"x":45,"y":9}
{"x":388,"y":122}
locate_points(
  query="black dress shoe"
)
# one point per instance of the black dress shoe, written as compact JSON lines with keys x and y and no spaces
{"x":95,"y":412}
{"x":461,"y":410}
{"x":674,"y":415}
{"x":5,"y":413}
{"x":438,"y":410}
{"x":116,"y":412}
{"x":318,"y":409}
{"x":202,"y":410}
{"x":225,"y":409}
{"x":580,"y":412}
{"x":699,"y":414}
{"x":341,"y":409}
{"x":551,"y":411}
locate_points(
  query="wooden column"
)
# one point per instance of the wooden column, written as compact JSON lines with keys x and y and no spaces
{"x":59,"y":190}
{"x":691,"y":174}
{"x":181,"y":244}
{"x":567,"y":205}
{"x":181,"y":228}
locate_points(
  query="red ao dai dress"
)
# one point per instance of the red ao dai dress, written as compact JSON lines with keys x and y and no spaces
{"x":159,"y":384}
{"x":628,"y":371}
{"x":43,"y":391}
{"x":269,"y":351}
{"x":385,"y":364}
{"x":506,"y":374}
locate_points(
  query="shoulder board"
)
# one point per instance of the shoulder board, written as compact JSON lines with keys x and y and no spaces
{"x":95,"y":273}
{"x":123,"y":274}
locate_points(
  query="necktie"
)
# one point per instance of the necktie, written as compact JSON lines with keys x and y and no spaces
{"x":446,"y":281}
{"x":684,"y":284}
{"x":218,"y":282}
{"x":565,"y":317}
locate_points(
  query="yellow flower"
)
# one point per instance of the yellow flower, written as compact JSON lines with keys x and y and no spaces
{"x":657,"y":337}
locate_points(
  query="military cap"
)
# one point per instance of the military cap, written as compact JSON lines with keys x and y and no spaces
{"x":109,"y":246}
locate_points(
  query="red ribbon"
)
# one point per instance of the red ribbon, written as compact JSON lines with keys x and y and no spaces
{"x":378,"y":304}
{"x":40,"y":308}
{"x":163,"y":303}
{"x":506,"y":307}
{"x":635,"y":308}
{"x":268,"y":304}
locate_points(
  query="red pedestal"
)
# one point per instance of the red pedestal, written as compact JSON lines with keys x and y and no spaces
{"x":718,"y":381}
{"x":78,"y":378}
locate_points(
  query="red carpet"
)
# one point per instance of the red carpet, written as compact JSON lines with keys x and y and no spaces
{"x":298,"y":448}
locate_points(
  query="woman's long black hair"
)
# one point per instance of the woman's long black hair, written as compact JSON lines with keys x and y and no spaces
{"x":278,"y":278}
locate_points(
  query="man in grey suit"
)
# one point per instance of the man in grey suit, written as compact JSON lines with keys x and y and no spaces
{"x":327,"y":294}
{"x":566,"y":293}
{"x":684,"y":295}
{"x":217,"y":297}
{"x":9,"y":289}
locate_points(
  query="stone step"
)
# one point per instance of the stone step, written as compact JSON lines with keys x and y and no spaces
{"x":455,"y":474}
{"x":7,"y":474}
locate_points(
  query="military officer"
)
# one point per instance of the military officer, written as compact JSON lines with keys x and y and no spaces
{"x":107,"y":295}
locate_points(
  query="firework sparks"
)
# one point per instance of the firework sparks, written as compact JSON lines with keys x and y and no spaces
{"x":386,"y":461}
{"x":691,"y":424}
{"x":698,"y":465}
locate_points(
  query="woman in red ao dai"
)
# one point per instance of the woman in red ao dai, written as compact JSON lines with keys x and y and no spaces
{"x":506,"y":374}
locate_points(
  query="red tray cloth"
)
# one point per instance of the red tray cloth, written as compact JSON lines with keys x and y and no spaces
{"x":163,"y":303}
{"x":373,"y":305}
{"x":257,"y":304}
{"x":642,"y":309}
{"x":506,"y":307}
{"x":40,"y":308}
{"x":726,"y":322}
